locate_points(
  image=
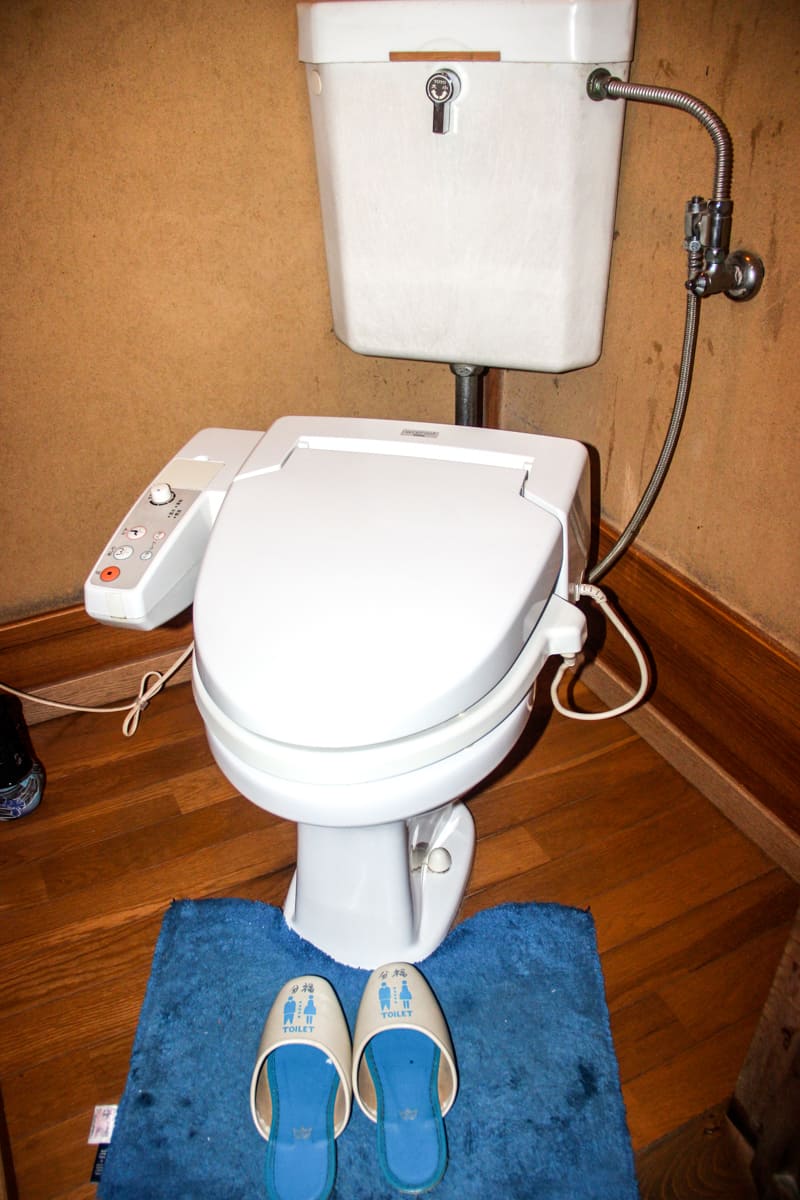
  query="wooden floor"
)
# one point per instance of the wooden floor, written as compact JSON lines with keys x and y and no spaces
{"x":691,"y":920}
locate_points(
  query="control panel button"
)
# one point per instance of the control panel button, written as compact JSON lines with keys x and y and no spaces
{"x":109,"y":574}
{"x":161,"y":493}
{"x":135,"y":532}
{"x":122,"y":552}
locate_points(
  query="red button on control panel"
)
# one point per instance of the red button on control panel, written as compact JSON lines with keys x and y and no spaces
{"x":109,"y":574}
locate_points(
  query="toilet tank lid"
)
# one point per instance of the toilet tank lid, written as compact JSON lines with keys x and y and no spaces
{"x":554,"y":31}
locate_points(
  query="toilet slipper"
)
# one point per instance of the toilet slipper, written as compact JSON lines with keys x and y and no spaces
{"x":404,"y":1075}
{"x":300,"y":1092}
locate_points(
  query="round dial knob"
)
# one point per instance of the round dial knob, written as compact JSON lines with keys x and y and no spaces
{"x":161,"y":493}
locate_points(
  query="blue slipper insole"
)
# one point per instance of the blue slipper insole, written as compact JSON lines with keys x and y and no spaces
{"x":301,"y":1152}
{"x":412,"y":1148}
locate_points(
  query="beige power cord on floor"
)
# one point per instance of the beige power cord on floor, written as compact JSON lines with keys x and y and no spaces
{"x":151,"y":684}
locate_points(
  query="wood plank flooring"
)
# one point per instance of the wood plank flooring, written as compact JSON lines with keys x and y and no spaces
{"x":691,"y":918}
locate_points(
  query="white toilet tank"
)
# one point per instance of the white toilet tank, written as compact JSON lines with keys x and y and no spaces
{"x":487,"y":243}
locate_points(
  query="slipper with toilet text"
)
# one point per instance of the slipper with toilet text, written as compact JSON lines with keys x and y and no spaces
{"x":300,"y":1091}
{"x":404,"y":1075}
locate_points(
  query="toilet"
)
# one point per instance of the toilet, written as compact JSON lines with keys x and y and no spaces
{"x":374,"y":599}
{"x":374,"y":605}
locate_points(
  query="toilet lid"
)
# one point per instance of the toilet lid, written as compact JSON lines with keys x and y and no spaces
{"x":356,"y":597}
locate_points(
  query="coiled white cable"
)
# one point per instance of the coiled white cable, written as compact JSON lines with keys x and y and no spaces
{"x":133,"y":709}
{"x":595,"y":593}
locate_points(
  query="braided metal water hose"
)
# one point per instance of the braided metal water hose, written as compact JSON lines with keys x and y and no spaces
{"x":691,"y":322}
{"x":602,"y":85}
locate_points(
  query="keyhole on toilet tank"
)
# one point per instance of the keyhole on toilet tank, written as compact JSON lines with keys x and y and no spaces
{"x":441,"y":89}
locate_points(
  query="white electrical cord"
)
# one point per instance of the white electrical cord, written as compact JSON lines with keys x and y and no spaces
{"x":148,"y":689}
{"x":133,"y":708}
{"x":594,"y":593}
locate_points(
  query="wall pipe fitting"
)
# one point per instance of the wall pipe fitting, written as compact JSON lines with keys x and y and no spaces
{"x":738,"y":274}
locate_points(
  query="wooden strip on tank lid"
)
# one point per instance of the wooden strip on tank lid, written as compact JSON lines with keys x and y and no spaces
{"x":444,"y":56}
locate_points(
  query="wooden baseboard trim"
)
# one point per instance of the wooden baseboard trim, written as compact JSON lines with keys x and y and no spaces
{"x":743,"y":809}
{"x":720,"y":686}
{"x":112,"y":686}
{"x":729,"y":690}
{"x":66,"y":656}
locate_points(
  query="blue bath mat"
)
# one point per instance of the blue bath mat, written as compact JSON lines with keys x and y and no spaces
{"x":539,"y":1113}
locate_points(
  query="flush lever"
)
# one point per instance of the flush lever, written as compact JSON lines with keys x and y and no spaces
{"x":442,"y":88}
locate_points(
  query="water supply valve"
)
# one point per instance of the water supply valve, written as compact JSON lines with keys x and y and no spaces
{"x":739,"y":274}
{"x":712,"y":268}
{"x":441,"y":89}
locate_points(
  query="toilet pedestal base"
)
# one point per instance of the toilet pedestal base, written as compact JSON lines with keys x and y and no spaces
{"x":355,"y":895}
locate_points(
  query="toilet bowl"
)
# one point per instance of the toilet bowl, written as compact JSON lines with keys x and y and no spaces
{"x":373,"y":600}
{"x":374,"y":604}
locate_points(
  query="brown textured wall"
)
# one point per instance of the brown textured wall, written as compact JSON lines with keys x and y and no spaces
{"x":727,"y":516}
{"x":162,"y":264}
{"x":162,"y":270}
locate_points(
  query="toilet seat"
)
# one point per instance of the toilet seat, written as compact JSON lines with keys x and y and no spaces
{"x":361,"y":593}
{"x":561,"y":630}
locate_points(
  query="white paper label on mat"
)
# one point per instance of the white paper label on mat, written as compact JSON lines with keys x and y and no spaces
{"x":102,"y":1124}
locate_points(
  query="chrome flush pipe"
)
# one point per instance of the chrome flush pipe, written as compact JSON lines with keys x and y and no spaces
{"x":469,"y":405}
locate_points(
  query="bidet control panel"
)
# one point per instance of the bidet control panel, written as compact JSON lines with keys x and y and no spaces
{"x":148,"y":571}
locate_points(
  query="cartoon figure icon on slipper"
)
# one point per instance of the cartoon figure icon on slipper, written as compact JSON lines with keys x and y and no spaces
{"x":404,"y":1075}
{"x":403,"y":1072}
{"x":300,"y":1091}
